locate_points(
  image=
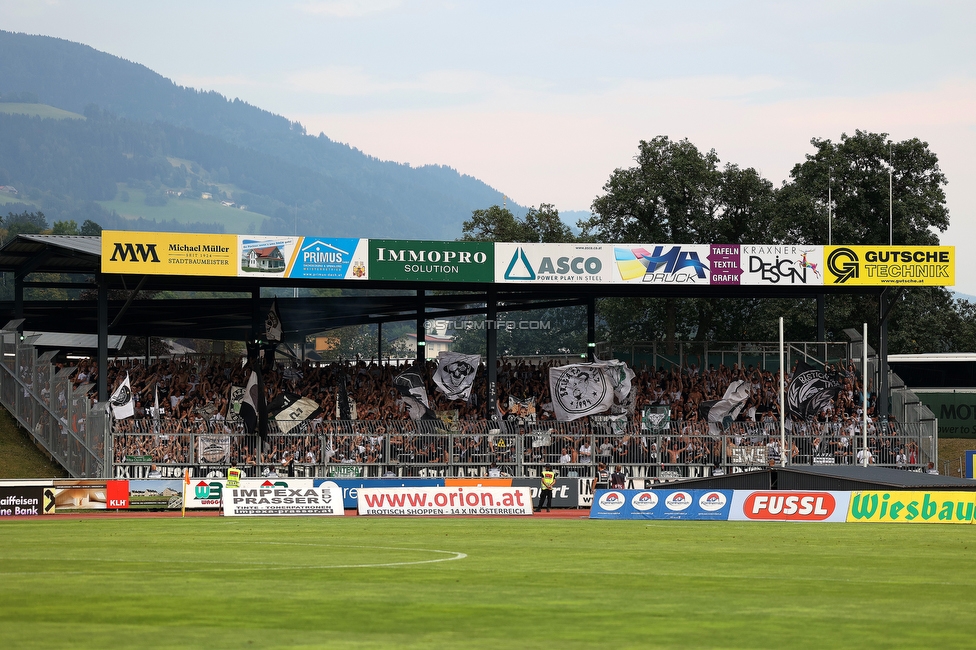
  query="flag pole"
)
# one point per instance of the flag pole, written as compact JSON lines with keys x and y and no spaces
{"x":864,"y":394}
{"x":782,"y":400}
{"x":186,"y":482}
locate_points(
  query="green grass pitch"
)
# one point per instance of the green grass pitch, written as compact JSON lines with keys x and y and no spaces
{"x":482,"y":583}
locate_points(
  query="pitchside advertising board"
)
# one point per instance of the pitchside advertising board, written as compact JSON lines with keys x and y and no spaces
{"x":781,"y":505}
{"x":908,"y":507}
{"x":661,"y":504}
{"x":445,"y":501}
{"x":26,"y":501}
{"x":279,"y":497}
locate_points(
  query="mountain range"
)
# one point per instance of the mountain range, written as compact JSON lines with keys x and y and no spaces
{"x":129,"y":149}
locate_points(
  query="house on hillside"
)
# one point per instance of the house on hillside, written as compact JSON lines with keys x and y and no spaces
{"x":264,"y":259}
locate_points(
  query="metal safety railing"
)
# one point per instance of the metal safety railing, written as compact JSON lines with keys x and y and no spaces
{"x":375,"y":448}
{"x":59,"y":416}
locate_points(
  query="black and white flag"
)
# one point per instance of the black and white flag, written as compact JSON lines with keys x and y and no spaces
{"x":123,"y":405}
{"x":810,"y":391}
{"x":249,"y":404}
{"x":455,"y":374}
{"x":272,"y":324}
{"x":731,"y":404}
{"x":580,"y":389}
{"x":413,"y":395}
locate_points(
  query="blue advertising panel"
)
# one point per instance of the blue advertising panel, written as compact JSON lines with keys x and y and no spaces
{"x":350,"y":486}
{"x":661,"y":504}
{"x":331,"y":258}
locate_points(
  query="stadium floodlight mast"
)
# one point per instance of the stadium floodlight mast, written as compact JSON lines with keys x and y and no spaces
{"x":782,"y":401}
{"x":830,"y":201}
{"x":891,"y":205}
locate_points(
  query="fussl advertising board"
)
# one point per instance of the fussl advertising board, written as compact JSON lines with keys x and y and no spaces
{"x":433,"y":261}
{"x":782,"y":505}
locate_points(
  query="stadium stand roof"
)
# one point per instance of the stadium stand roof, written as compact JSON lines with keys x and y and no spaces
{"x":826,"y":477}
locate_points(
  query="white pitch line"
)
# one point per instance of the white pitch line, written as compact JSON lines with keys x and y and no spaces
{"x":260,"y":566}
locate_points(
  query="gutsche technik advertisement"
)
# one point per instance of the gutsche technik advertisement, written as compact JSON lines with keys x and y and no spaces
{"x":445,"y":501}
{"x":282,"y":497}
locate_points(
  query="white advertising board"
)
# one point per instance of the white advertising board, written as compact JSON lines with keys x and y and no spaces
{"x":445,"y":501}
{"x":263,"y":497}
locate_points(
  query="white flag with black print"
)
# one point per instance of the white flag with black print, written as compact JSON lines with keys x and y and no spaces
{"x":272,"y":324}
{"x":715,"y":411}
{"x":455,"y":374}
{"x":122,"y":404}
{"x":580,"y":389}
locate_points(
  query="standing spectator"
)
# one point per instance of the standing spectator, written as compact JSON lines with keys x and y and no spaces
{"x":618,"y":479}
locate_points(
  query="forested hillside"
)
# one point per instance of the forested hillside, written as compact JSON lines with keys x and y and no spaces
{"x":138,"y":118}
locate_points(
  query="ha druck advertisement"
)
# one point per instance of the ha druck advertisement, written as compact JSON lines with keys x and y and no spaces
{"x":445,"y":501}
{"x":263,"y":497}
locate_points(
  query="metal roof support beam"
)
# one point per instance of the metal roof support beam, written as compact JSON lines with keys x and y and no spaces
{"x":102,"y":337}
{"x":491,"y":355}
{"x":591,"y":328}
{"x":821,"y":318}
{"x":421,"y":324}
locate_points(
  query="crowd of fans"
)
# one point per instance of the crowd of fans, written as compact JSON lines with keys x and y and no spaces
{"x":195,"y":395}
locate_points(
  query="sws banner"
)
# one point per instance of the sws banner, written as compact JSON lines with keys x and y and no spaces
{"x":661,"y":504}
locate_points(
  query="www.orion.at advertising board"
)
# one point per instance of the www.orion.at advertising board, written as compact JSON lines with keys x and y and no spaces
{"x":445,"y":501}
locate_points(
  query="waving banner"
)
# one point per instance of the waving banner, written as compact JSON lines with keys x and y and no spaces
{"x":580,"y":389}
{"x":810,"y":390}
{"x":455,"y":374}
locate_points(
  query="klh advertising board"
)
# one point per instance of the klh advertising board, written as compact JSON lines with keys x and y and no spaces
{"x":661,"y":504}
{"x":445,"y":501}
{"x":263,"y":497}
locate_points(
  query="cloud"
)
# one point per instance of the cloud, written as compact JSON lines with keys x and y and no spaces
{"x":348,"y":8}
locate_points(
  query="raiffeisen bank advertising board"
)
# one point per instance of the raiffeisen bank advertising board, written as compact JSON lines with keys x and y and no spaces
{"x":773,"y":265}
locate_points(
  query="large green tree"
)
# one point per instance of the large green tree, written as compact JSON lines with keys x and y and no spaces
{"x":854,"y":173}
{"x":676,"y":193}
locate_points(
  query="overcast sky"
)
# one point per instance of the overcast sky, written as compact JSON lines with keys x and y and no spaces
{"x":543,"y":100}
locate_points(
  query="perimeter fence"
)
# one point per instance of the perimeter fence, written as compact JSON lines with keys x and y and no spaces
{"x":421,"y":448}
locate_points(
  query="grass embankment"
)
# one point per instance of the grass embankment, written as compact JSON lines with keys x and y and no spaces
{"x":39,"y":110}
{"x":19,"y":456}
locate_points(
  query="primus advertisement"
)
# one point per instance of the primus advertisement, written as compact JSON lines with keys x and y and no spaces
{"x":445,"y":501}
{"x":262,"y":497}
